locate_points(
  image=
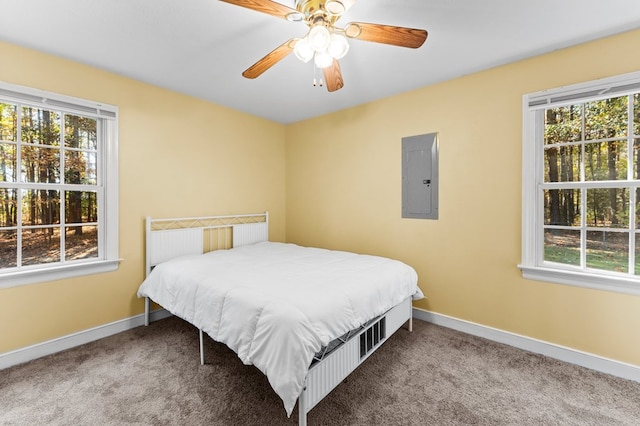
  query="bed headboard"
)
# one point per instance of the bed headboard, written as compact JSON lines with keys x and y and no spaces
{"x":169,"y":238}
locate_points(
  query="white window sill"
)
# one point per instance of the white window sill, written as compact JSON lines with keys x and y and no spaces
{"x":58,"y":272}
{"x":615,"y":283}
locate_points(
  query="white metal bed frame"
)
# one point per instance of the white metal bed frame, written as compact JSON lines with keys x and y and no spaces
{"x":169,"y":238}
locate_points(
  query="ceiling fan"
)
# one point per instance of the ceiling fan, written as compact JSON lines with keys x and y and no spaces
{"x":324,"y":42}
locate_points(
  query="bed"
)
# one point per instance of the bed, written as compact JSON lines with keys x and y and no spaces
{"x":305,"y":316}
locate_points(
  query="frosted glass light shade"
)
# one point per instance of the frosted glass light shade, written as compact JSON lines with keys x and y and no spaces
{"x":303,"y":50}
{"x":323,"y":59}
{"x":319,"y":38}
{"x":338,"y":46}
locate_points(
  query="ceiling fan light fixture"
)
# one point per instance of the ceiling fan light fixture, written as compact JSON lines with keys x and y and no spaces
{"x":303,"y":50}
{"x":338,"y":46}
{"x":325,"y":43}
{"x":319,"y":38}
{"x":323,"y":59}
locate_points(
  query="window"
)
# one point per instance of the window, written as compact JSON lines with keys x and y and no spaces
{"x":581,"y":185}
{"x":58,"y":186}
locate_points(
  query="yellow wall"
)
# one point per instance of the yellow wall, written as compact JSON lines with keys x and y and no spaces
{"x":179,"y":156}
{"x":341,"y":176}
{"x":344,"y":179}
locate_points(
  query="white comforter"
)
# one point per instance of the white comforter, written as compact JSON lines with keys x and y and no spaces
{"x":277,"y":304}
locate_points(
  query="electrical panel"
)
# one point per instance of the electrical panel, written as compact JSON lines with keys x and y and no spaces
{"x":420,"y":176}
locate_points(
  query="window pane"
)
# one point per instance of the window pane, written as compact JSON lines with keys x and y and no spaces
{"x":80,"y":167}
{"x":40,"y":165}
{"x":637,"y":255}
{"x":40,"y":246}
{"x":563,"y":124}
{"x":8,"y":122}
{"x":636,"y":159}
{"x":608,"y":250}
{"x":81,"y":206}
{"x":562,"y":207}
{"x":606,"y":118}
{"x":562,"y":164}
{"x":40,"y":126}
{"x":80,"y":132}
{"x":7,"y":162}
{"x":562,"y":246}
{"x":636,"y":114}
{"x":81,"y":242}
{"x":605,"y":160}
{"x":8,"y":249}
{"x":40,"y":207}
{"x":608,"y":207}
{"x":8,"y":207}
{"x":637,"y":210}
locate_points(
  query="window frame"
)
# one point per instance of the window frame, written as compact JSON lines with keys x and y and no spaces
{"x":532,"y":263}
{"x":107,"y":163}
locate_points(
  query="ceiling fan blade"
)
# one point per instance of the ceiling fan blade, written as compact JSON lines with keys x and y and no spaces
{"x":333,"y":77}
{"x":387,"y":34}
{"x":270,"y":59}
{"x":265,"y":6}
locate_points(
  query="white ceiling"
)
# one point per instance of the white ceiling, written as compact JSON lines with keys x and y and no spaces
{"x":201,"y":47}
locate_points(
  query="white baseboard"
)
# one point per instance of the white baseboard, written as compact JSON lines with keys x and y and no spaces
{"x":584,"y":359}
{"x":69,"y":341}
{"x":562,"y":353}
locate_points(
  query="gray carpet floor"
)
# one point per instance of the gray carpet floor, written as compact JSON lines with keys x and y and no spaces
{"x":432,"y":376}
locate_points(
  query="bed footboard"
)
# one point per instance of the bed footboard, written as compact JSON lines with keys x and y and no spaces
{"x":324,"y":376}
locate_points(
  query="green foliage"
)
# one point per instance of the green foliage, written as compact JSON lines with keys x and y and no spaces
{"x":564,"y":255}
{"x":608,"y":260}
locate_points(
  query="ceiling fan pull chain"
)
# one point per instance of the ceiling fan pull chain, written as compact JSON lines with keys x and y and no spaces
{"x":315,"y":80}
{"x":316,"y":83}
